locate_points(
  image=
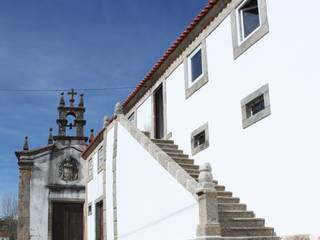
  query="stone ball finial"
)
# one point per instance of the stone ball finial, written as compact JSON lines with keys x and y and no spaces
{"x":81,"y":102}
{"x":106,"y":121}
{"x":118,"y":108}
{"x":62,"y":102}
{"x":91,"y":138}
{"x":50,"y":137}
{"x":26,"y":144}
{"x":205,"y":175}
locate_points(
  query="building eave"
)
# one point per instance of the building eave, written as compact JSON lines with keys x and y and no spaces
{"x":34,"y":151}
{"x":198,"y":24}
{"x":96,"y":141}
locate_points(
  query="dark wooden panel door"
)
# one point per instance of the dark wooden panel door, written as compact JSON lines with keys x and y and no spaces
{"x":67,"y":221}
{"x":99,"y":220}
{"x":158,"y":113}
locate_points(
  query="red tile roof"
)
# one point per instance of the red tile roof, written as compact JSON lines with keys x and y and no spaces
{"x":183,"y":35}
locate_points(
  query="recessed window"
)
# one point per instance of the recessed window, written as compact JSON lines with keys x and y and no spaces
{"x":100,"y":159}
{"x":90,"y":169}
{"x":196,"y":65}
{"x":200,"y":139}
{"x":249,"y":24}
{"x":256,"y":106}
{"x":90,"y":209}
{"x":196,"y":74}
{"x":249,"y":19}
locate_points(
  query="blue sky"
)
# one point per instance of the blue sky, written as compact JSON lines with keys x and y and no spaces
{"x":59,"y":44}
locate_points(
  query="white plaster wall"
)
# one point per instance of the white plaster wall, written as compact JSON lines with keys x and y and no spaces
{"x":94,"y":192}
{"x":144,"y":115}
{"x":147,"y":195}
{"x":39,"y":200}
{"x":273,"y":165}
{"x":109,"y":184}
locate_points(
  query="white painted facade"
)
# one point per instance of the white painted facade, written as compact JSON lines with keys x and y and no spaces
{"x":94,"y":194}
{"x":264,"y":163}
{"x":272,"y":165}
{"x":151,"y":203}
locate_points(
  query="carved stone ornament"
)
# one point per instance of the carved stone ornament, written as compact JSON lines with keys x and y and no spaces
{"x":68,"y":170}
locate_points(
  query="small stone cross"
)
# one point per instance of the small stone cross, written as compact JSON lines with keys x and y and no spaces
{"x":72,"y":93}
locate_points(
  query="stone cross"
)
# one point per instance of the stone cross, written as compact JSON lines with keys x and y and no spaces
{"x":72,"y":93}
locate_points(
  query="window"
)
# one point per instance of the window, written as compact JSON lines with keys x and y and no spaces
{"x":90,"y":169}
{"x":200,"y":139}
{"x":195,"y":66}
{"x":249,"y":24}
{"x":248,"y":14}
{"x":195,"y":70}
{"x":89,"y":209}
{"x":256,"y":106}
{"x":100,"y":159}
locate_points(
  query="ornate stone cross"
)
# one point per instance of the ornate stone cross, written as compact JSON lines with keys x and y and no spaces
{"x":72,"y":93}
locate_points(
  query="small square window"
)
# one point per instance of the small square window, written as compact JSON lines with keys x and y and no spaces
{"x":100,"y":159}
{"x":200,"y":139}
{"x":256,"y":106}
{"x":249,"y":24}
{"x":89,"y":209}
{"x":196,"y":74}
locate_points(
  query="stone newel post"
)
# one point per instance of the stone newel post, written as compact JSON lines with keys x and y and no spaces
{"x":208,"y":204}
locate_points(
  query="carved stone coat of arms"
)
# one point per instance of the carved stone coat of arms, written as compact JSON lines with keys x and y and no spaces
{"x":68,"y":170}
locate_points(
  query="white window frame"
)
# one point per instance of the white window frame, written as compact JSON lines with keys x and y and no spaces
{"x":240,"y":43}
{"x":199,"y":48}
{"x":193,"y":86}
{"x":240,"y":25}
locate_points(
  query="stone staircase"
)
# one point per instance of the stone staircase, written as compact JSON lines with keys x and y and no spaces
{"x":235,"y":220}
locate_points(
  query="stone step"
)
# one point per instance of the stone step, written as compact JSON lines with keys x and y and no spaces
{"x":190,"y":167}
{"x":194,"y":172}
{"x":172,"y":151}
{"x":184,"y":160}
{"x":167,"y":146}
{"x":228,"y":200}
{"x":231,"y":207}
{"x":220,"y":188}
{"x":244,"y":222}
{"x":178,"y":155}
{"x":224,"y":193}
{"x":162,"y":141}
{"x":245,"y":232}
{"x":226,"y":215}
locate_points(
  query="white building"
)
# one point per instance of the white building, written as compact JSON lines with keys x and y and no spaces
{"x":227,"y":92}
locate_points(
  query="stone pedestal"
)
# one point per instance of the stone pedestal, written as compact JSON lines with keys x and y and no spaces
{"x":208,"y":204}
{"x":208,"y":213}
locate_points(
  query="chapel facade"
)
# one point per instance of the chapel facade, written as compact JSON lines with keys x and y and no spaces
{"x":52,"y":179}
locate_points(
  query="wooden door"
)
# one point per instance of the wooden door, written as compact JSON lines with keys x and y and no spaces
{"x":158,"y":113}
{"x":67,"y":221}
{"x":99,"y":220}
